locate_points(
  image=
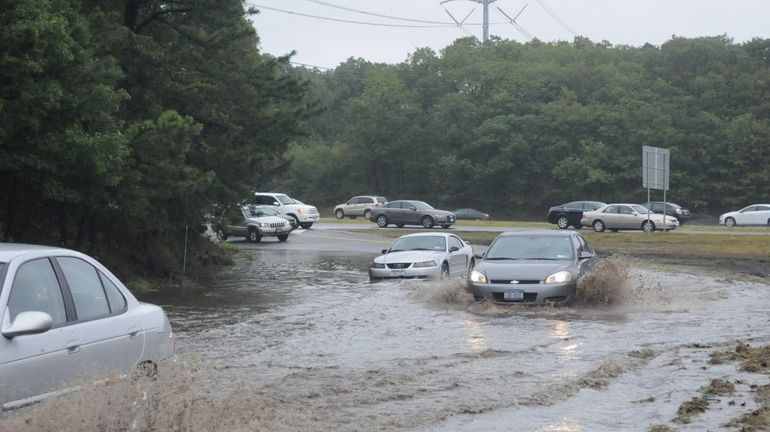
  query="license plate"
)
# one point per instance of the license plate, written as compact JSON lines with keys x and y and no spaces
{"x":279,"y":231}
{"x":513,"y":295}
{"x":397,"y":273}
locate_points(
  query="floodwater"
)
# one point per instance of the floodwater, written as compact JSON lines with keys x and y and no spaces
{"x":289,"y":340}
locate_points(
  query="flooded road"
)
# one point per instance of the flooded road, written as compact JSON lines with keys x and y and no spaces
{"x":294,"y":337}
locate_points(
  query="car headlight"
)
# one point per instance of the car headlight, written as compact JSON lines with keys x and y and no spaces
{"x":478,"y":277}
{"x":377,"y":265}
{"x":559,"y":277}
{"x":264,"y":225}
{"x":430,"y":263}
{"x":678,"y":211}
{"x":300,"y":211}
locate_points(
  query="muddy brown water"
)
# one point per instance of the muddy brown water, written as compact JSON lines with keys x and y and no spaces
{"x":286,"y":340}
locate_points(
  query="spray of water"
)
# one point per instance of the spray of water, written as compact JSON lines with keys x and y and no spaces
{"x":606,"y":284}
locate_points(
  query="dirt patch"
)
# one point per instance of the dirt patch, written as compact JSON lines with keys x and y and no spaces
{"x":757,"y":420}
{"x":755,"y":360}
{"x":719,"y":387}
{"x":688,"y":409}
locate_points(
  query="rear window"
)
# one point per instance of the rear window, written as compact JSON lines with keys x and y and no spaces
{"x":382,"y":200}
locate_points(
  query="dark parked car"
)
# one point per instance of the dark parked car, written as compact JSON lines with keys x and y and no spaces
{"x":407,"y":212}
{"x":570,"y":213}
{"x":471,"y":214}
{"x":670,"y":209}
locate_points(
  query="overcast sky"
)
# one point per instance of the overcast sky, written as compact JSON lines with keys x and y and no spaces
{"x":327,"y":43}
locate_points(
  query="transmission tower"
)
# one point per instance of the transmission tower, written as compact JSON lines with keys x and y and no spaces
{"x":486,"y":4}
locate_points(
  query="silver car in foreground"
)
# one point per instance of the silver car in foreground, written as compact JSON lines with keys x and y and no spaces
{"x":535,"y":267}
{"x":423,"y":255}
{"x":64,"y":318}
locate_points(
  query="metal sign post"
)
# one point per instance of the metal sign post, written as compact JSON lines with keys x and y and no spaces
{"x":655,"y":173}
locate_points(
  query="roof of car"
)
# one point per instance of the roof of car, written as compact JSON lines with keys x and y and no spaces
{"x":562,"y":233}
{"x":9,"y":251}
{"x":427,"y":234}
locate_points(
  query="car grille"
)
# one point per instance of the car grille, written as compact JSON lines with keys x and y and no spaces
{"x":399,"y":265}
{"x":277,"y":225}
{"x":528,"y":298}
{"x":521,"y":282}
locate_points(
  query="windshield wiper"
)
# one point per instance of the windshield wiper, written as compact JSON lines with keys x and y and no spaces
{"x":501,"y":258}
{"x":545,"y":259}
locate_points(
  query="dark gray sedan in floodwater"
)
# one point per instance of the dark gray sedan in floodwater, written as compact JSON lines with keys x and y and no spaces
{"x":534,"y":267}
{"x":408,"y":212}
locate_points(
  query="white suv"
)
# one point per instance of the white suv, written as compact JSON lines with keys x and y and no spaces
{"x":305,"y":215}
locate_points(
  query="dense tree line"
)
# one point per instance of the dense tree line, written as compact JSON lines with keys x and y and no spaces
{"x":123,"y":121}
{"x":513,"y":128}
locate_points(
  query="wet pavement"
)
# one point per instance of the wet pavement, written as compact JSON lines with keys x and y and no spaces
{"x":298,"y":326}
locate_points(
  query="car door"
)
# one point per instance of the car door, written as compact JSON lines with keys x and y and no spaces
{"x":611,"y":217}
{"x":393,"y":212}
{"x":36,"y":364}
{"x":458,"y":261}
{"x":628,"y":218}
{"x":746,"y":216}
{"x":410,"y":214}
{"x":585,"y":264}
{"x":763,"y":215}
{"x":109,"y":338}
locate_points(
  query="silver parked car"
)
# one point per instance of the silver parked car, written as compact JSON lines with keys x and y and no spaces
{"x":424,"y":255}
{"x":253,"y":222}
{"x":407,"y":212}
{"x":65,"y":317}
{"x":359,"y":206}
{"x":534,"y":267}
{"x":616,"y":217}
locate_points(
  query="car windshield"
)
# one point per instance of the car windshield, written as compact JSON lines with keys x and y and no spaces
{"x":421,"y":205}
{"x":640,"y":209}
{"x":285,"y":199}
{"x":431,"y":243}
{"x":530,"y":247}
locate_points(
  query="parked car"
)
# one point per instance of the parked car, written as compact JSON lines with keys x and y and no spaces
{"x":66,"y":317}
{"x":253,"y":222}
{"x":408,"y":212}
{"x":471,"y":214}
{"x":424,"y":255}
{"x":305,"y":215}
{"x":627,"y":216}
{"x":533,"y":266}
{"x":671,"y":209}
{"x":756,"y":214}
{"x":359,"y":206}
{"x":571,"y":213}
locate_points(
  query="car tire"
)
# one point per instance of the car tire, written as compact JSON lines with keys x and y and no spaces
{"x":254,"y":236}
{"x":427,"y":222}
{"x":382,"y":221}
{"x":730,"y":222}
{"x":562,"y":222}
{"x":445,"y":226}
{"x":296,"y":219}
{"x":768,"y":222}
{"x":648,"y":226}
{"x":445,"y":271}
{"x":221,"y":235}
{"x":353,"y":217}
{"x":598,"y":225}
{"x":283,"y":238}
{"x":306,"y":225}
{"x":339,"y":213}
{"x":578,"y":226}
{"x":368,"y":215}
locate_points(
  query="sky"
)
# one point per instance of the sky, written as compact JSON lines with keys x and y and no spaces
{"x":325,"y":43}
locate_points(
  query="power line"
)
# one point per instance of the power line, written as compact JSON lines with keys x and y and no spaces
{"x":447,"y":25}
{"x":376,"y":14}
{"x":557,"y":18}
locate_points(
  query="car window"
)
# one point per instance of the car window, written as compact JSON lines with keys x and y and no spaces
{"x":393,"y":205}
{"x":266,"y":200}
{"x":408,"y":206}
{"x":626,"y":210}
{"x":382,"y":200}
{"x":455,"y":242}
{"x":611,"y":209}
{"x":530,"y":247}
{"x":584,"y":246}
{"x":749,"y":209}
{"x":85,"y":287}
{"x":763,"y":208}
{"x":36,"y":288}
{"x":421,"y":205}
{"x":115,"y":298}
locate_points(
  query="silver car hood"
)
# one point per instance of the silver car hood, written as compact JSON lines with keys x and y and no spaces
{"x":524,"y":270}
{"x":410,"y":256}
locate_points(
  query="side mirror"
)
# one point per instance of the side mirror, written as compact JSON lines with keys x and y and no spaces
{"x":454,"y":249}
{"x":27,"y":323}
{"x":276,"y":203}
{"x":585,"y":255}
{"x":384,"y":251}
{"x":478,"y":255}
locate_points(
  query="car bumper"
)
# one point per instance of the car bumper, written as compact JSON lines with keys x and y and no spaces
{"x":408,"y":273}
{"x":304,"y":217}
{"x":529,"y":293}
{"x":274,"y":232}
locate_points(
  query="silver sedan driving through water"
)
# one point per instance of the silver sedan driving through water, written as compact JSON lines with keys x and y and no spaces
{"x":423,"y":255}
{"x":535,"y":267}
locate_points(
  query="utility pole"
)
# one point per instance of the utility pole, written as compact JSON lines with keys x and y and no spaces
{"x":486,"y":4}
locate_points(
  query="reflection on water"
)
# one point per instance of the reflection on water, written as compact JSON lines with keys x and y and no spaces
{"x":304,"y":340}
